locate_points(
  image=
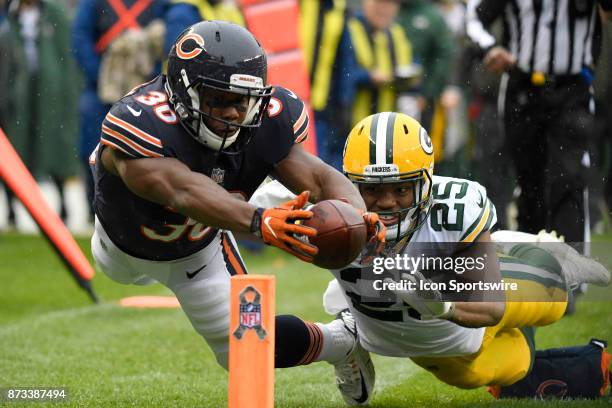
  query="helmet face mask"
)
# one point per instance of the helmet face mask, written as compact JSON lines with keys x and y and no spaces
{"x":392,"y":149}
{"x":212,"y":66}
{"x":410,"y":216}
{"x":249,"y":103}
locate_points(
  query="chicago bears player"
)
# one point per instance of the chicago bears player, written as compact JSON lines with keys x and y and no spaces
{"x":178,"y":159}
{"x":389,"y":157}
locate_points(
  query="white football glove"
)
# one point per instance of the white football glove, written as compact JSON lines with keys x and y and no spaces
{"x":428,"y":302}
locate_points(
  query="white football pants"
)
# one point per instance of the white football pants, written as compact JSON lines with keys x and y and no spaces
{"x":204,"y":298}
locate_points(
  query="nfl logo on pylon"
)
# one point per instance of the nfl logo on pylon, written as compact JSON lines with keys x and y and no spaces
{"x":250,"y":315}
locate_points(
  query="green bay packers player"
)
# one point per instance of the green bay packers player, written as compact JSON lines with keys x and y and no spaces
{"x":463,"y":343}
{"x":389,"y":157}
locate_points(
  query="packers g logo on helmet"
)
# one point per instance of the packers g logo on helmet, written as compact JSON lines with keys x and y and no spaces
{"x":426,"y":142}
{"x":391,"y":147}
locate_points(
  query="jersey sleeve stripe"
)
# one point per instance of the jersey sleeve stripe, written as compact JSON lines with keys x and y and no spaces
{"x":478,"y":225}
{"x":492,"y":217}
{"x":301,"y":132}
{"x":116,"y":146}
{"x":140,"y":151}
{"x":134,"y":130}
{"x":474,"y":224}
{"x":303,"y":118}
{"x":132,"y":138}
{"x":302,"y":136}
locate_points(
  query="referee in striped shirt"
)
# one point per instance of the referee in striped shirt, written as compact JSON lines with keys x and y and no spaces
{"x":547,"y":54}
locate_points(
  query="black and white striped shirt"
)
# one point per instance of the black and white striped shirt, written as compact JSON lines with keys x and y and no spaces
{"x":550,"y":36}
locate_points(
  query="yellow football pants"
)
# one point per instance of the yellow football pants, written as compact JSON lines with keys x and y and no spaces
{"x":505,"y":355}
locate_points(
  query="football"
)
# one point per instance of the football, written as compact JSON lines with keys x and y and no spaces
{"x":341,"y":233}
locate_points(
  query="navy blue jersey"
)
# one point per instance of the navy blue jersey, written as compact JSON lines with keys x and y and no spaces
{"x":143,"y":125}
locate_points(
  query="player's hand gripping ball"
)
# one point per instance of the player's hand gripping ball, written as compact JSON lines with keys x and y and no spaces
{"x":341,"y":233}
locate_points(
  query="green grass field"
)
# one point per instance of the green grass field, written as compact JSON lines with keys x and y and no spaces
{"x":51,"y":335}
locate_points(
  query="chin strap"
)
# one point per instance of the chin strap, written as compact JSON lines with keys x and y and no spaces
{"x":208,"y":138}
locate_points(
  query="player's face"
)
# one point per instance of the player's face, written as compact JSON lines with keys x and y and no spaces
{"x":388,"y":197}
{"x":228,"y":106}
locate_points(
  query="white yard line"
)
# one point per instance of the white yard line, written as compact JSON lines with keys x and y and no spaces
{"x":33,"y":321}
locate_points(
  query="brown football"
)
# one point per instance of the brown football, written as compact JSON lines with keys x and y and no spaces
{"x":341,"y":233}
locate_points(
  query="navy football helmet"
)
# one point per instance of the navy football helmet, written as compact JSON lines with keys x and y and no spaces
{"x":217,"y":56}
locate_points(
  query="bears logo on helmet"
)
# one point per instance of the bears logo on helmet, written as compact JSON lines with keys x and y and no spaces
{"x":195,"y":51}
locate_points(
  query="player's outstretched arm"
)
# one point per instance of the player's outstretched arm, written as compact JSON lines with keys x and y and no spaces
{"x":301,"y":171}
{"x":168,"y":182}
{"x":477,"y":313}
{"x":470,"y":313}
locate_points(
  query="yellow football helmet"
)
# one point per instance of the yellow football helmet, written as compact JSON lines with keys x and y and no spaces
{"x":391,"y":147}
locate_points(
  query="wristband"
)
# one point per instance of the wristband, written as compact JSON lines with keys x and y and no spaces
{"x":256,"y":222}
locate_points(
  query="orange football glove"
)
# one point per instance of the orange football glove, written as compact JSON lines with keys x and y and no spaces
{"x":275,"y":226}
{"x":377,"y":232}
{"x":376,"y":228}
{"x":376,"y":236}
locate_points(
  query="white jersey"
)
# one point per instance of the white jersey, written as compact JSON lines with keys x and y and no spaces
{"x":460,"y":212}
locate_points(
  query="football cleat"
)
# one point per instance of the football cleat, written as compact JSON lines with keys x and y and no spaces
{"x":355,"y":375}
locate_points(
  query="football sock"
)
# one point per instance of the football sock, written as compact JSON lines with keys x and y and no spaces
{"x":337,"y":341}
{"x":297,"y":342}
{"x":541,"y":297}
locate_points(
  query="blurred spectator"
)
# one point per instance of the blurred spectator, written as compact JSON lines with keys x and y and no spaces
{"x":97,"y":25}
{"x":183,"y":13}
{"x":487,"y":131}
{"x":432,"y":46}
{"x":4,"y":81}
{"x":331,"y":62}
{"x":130,"y":60}
{"x":384,"y":56}
{"x":42,"y":93}
{"x":69,"y":6}
{"x":603,"y":116}
{"x":548,"y":107}
{"x":491,"y":162}
{"x":450,"y":116}
{"x":4,"y":54}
